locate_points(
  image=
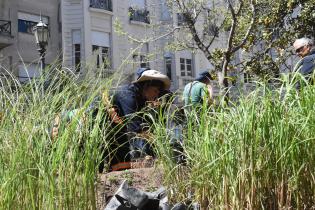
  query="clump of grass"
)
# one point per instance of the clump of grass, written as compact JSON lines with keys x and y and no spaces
{"x":256,"y":154}
{"x":112,"y":179}
{"x":36,"y":171}
{"x":128,"y":176}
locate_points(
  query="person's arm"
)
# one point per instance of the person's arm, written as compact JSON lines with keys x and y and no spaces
{"x":112,"y":111}
{"x":207,"y":93}
{"x":210,"y":94}
{"x":55,"y":127}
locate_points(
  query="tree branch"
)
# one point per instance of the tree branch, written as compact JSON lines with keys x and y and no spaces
{"x":240,"y":7}
{"x":250,"y":28}
{"x":191,"y":25}
{"x":213,"y":38}
{"x":233,"y":27}
{"x":152,"y":39}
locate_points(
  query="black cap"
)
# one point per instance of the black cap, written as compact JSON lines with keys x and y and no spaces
{"x":204,"y":75}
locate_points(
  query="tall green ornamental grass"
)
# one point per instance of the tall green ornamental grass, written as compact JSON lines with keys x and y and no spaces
{"x":255,"y":154}
{"x":36,"y":171}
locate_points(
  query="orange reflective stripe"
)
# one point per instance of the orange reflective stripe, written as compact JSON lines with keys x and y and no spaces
{"x":120,"y":166}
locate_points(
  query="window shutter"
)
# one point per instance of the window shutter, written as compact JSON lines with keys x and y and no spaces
{"x":76,"y":37}
{"x":100,"y":39}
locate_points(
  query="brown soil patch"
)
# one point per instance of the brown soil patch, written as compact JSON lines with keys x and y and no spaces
{"x":146,"y":179}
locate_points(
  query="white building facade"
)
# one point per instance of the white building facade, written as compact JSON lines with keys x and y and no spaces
{"x":90,"y":41}
{"x":107,"y":36}
{"x":18,"y":50}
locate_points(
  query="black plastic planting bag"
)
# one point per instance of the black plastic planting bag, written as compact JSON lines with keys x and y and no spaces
{"x":125,"y":204}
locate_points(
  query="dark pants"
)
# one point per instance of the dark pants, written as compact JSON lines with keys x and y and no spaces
{"x":139,"y":148}
{"x":116,"y":149}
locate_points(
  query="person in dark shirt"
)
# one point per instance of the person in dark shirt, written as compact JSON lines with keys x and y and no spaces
{"x":128,"y":102}
{"x":304,"y":48}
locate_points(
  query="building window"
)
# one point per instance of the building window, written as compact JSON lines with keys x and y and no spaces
{"x":26,"y":26}
{"x":141,"y":60}
{"x":102,"y":4}
{"x":168,"y":67}
{"x":26,"y":22}
{"x":76,"y":49}
{"x":140,"y":15}
{"x":181,"y":20}
{"x":101,"y":49}
{"x":138,"y":11}
{"x":165,"y":11}
{"x":212,"y":30}
{"x":185,"y":67}
{"x":186,"y":81}
{"x":102,"y":56}
{"x":77,"y":57}
{"x":247,"y":78}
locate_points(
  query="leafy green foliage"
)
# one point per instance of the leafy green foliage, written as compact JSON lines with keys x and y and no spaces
{"x":278,"y":25}
{"x":272,"y":25}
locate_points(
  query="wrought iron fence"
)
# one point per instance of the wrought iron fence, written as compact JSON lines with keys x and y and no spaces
{"x":102,"y":4}
{"x":141,"y":15}
{"x":5,"y":27}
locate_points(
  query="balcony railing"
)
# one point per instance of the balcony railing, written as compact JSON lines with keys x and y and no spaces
{"x":5,"y":27}
{"x":102,"y":4}
{"x":187,"y":80}
{"x":140,"y":15}
{"x":105,"y":73}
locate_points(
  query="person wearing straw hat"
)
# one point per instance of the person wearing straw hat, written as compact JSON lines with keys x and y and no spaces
{"x":128,"y":102}
{"x":198,"y":90}
{"x":133,"y":98}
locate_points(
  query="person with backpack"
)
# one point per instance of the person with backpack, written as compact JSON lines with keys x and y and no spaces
{"x":199,"y":90}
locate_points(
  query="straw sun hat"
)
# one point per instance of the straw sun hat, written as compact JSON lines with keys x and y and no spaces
{"x":154,"y":75}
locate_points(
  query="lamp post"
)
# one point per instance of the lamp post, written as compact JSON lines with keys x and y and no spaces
{"x":41,"y":35}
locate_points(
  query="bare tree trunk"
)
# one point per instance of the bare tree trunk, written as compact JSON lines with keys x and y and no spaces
{"x":223,"y":82}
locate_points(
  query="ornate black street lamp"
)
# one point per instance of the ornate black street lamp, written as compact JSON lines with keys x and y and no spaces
{"x":41,"y":33}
